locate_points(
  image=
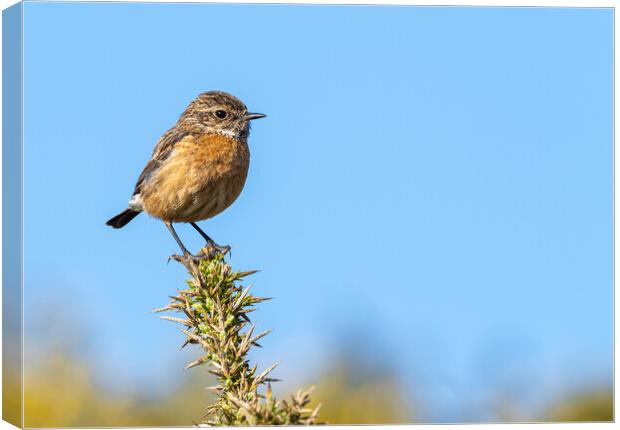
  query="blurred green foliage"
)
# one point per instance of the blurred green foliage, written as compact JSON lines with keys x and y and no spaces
{"x":590,"y":406}
{"x":356,"y":387}
{"x":373,"y":401}
{"x":11,"y":394}
{"x":61,"y":391}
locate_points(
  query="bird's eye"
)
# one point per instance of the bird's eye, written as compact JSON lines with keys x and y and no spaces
{"x":221,"y":114}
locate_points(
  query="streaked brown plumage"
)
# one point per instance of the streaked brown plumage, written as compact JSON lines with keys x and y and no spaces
{"x":198,"y":167}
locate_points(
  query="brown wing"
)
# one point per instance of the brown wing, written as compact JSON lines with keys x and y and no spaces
{"x":162,"y":150}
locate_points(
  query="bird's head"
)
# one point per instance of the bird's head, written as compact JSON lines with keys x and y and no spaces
{"x":219,"y":112}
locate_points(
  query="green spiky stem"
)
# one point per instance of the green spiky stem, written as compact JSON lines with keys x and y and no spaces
{"x":215,"y":307}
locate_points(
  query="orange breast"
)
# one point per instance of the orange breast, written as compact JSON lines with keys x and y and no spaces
{"x":201,"y":178}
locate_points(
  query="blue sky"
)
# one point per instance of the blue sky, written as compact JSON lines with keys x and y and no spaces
{"x":432,"y":183}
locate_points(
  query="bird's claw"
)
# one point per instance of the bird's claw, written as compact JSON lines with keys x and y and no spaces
{"x":213,"y":248}
{"x":189,"y":257}
{"x":206,"y":253}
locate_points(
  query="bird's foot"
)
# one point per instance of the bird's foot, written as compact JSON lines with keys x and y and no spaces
{"x":213,"y":248}
{"x":210,"y":250}
{"x":183,"y":259}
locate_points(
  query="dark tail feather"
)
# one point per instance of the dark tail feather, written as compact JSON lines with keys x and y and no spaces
{"x":122,"y":218}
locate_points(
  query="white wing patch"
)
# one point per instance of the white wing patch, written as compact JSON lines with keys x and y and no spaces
{"x":136,"y":203}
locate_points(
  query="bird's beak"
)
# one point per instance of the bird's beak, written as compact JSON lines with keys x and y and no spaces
{"x":249,"y":116}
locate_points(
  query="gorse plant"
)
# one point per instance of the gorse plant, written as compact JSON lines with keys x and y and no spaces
{"x":215,"y":307}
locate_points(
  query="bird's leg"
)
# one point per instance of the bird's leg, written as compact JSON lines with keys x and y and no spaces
{"x":186,"y":253}
{"x":210,"y":242}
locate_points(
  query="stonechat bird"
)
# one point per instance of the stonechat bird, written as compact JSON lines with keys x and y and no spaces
{"x":198,"y":167}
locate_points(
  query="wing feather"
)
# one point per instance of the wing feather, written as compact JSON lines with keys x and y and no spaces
{"x":162,"y":150}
